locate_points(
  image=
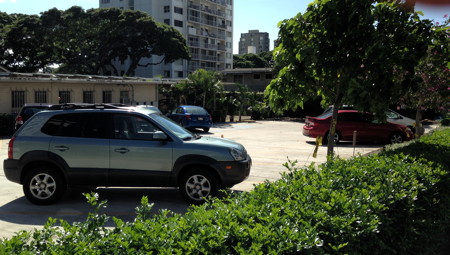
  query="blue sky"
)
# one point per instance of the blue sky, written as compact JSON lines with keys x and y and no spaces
{"x":263,"y":15}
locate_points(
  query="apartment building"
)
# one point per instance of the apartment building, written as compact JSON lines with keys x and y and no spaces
{"x":207,"y":26}
{"x":254,"y":42}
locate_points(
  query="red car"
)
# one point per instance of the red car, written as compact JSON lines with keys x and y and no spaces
{"x":367,"y":127}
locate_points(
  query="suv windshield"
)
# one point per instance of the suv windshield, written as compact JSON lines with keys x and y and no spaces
{"x":167,"y":123}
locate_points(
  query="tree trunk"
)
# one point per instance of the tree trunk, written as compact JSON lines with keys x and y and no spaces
{"x":336,"y":106}
{"x":240,"y":113}
{"x":419,"y":130}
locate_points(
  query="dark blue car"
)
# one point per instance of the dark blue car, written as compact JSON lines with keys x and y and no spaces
{"x":190,"y":117}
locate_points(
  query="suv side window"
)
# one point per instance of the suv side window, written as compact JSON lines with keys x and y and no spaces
{"x":86,"y":125}
{"x":133,"y":127}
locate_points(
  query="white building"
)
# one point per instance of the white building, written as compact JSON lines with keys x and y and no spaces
{"x":207,"y":26}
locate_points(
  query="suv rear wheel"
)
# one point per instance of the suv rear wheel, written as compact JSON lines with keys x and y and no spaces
{"x":197,"y":184}
{"x":43,"y":186}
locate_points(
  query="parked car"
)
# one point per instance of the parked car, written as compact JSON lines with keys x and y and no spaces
{"x":391,"y":116}
{"x":368,"y":128}
{"x":27,"y":111}
{"x":397,"y":118}
{"x":110,"y":146}
{"x":190,"y":117}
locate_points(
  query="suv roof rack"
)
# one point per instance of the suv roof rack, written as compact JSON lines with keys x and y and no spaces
{"x":72,"y":106}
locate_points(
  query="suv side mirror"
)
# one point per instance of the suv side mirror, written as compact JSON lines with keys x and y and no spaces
{"x":160,"y":136}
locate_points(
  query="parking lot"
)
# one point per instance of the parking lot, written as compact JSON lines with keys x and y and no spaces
{"x":270,"y":144}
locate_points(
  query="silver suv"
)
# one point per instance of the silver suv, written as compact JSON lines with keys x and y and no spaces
{"x":119,"y":147}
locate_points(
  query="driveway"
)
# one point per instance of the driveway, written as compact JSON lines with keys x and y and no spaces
{"x":270,"y":144}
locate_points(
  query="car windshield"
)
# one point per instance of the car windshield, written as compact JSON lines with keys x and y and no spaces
{"x":169,"y":124}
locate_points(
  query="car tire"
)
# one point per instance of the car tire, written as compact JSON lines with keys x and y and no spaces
{"x":198,"y":184}
{"x":206,"y":129}
{"x":337,"y":137}
{"x":44,"y":185}
{"x":396,"y":138}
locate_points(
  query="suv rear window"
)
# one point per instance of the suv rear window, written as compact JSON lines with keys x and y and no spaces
{"x":92,"y":125}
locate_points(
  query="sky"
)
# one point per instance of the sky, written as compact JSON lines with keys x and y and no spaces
{"x":262,"y":15}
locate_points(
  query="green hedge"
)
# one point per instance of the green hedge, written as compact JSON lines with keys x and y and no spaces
{"x":6,"y":124}
{"x":382,"y":204}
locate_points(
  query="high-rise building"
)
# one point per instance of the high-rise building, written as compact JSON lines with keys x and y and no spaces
{"x":254,"y":42}
{"x":207,"y":26}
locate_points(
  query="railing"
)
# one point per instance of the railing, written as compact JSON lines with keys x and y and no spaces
{"x":207,"y":10}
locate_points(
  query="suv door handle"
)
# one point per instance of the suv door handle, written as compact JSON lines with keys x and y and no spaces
{"x":61,"y":148}
{"x":122,"y":150}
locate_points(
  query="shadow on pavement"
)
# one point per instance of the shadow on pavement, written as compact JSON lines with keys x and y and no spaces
{"x":74,"y":207}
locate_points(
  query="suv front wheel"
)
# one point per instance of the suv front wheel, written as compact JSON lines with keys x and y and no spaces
{"x":43,"y":186}
{"x":198,"y":184}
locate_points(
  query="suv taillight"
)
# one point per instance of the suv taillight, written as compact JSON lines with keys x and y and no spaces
{"x":19,"y":120}
{"x":10,"y":147}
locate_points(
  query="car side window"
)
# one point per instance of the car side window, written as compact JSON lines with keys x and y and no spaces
{"x":349,"y":116}
{"x":88,"y":125}
{"x":133,"y":127}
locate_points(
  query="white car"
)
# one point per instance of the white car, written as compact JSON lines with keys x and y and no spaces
{"x":397,"y":118}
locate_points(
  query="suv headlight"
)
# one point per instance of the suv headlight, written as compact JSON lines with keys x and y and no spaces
{"x":238,"y":155}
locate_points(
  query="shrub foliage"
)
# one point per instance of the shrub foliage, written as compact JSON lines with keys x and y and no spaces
{"x":396,"y":202}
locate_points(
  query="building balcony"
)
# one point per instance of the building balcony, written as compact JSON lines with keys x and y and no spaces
{"x":221,"y":2}
{"x":207,"y":10}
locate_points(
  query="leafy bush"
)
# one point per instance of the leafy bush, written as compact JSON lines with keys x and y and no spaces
{"x":445,"y":122}
{"x":382,"y":204}
{"x":6,"y":125}
{"x":434,"y":147}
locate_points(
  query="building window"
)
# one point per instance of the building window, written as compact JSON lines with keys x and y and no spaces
{"x":107,"y":96}
{"x":105,"y":1}
{"x":178,"y":10}
{"x":88,"y":97}
{"x":18,"y":99}
{"x":166,"y":74}
{"x":166,"y":8}
{"x":124,"y":97}
{"x":180,"y":74}
{"x":178,"y":23}
{"x":269,"y":76}
{"x":256,"y":76}
{"x":167,"y":21}
{"x":40,"y":97}
{"x":64,"y":97}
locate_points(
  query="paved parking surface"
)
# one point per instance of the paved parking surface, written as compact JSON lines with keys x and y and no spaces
{"x":270,"y":144}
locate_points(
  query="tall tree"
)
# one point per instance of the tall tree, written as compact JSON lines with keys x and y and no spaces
{"x":21,"y":47}
{"x":432,"y":76}
{"x":250,"y":61}
{"x":347,"y":51}
{"x":207,"y":81}
{"x":86,"y":42}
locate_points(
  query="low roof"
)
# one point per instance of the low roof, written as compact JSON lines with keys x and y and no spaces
{"x":79,"y":78}
{"x":247,"y":70}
